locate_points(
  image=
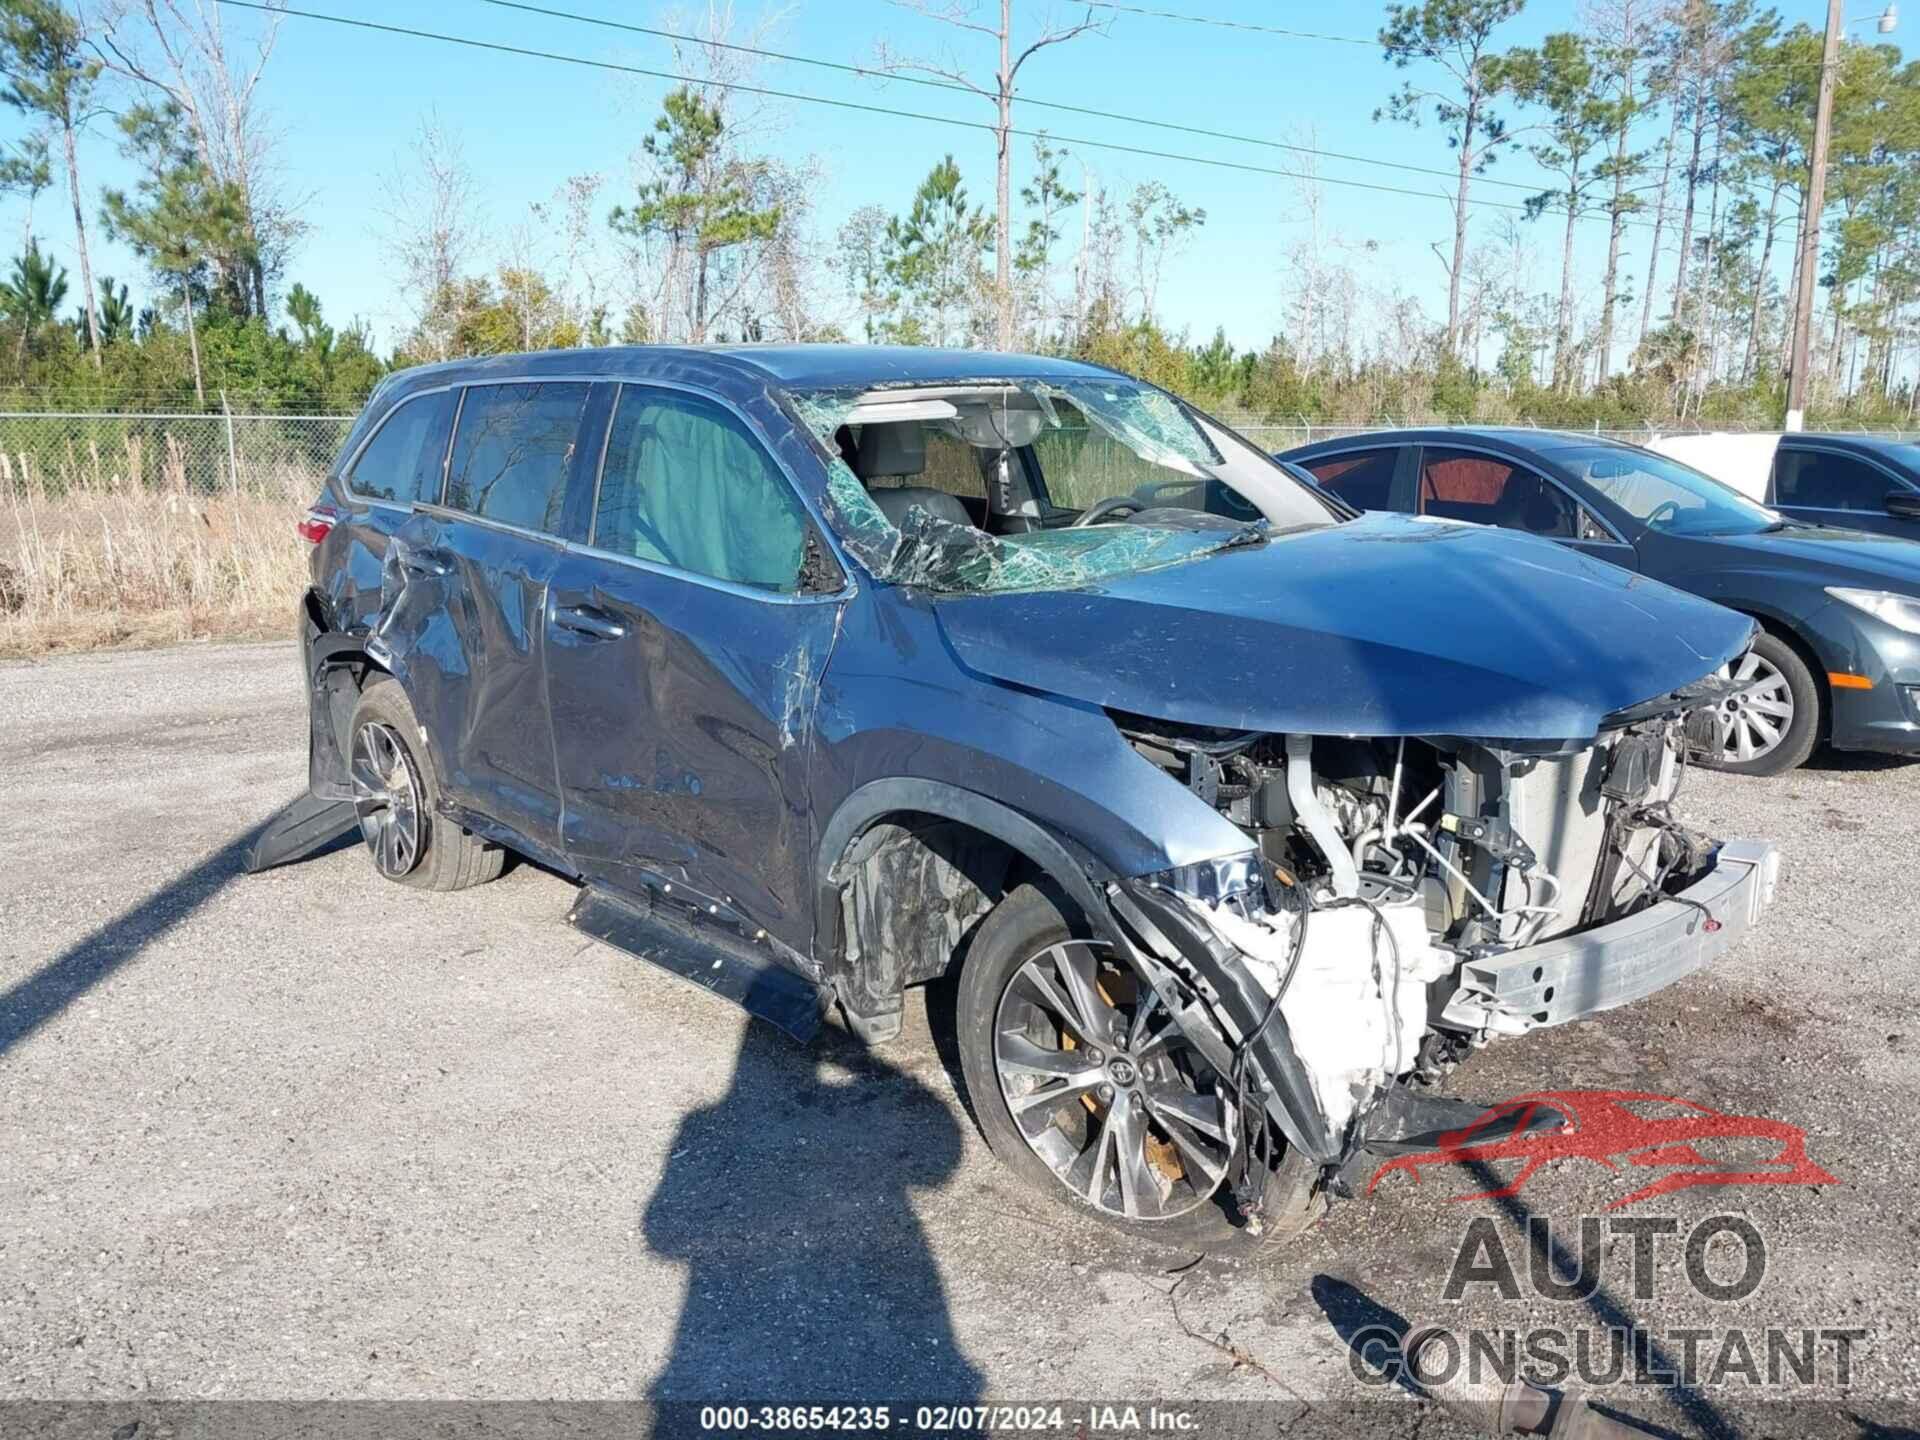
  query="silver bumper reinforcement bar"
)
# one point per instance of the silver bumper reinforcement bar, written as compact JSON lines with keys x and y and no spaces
{"x":1610,"y":965}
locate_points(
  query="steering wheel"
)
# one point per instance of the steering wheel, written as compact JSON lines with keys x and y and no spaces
{"x":1664,"y":511}
{"x":1112,"y":505}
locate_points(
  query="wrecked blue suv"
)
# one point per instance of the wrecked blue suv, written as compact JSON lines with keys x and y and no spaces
{"x":827,"y":671}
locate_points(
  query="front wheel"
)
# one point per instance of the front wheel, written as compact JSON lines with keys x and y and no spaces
{"x":396,"y":795}
{"x":1087,"y":1091}
{"x":1769,"y":727}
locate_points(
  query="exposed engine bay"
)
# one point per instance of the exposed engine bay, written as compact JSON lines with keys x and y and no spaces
{"x":1389,"y":875}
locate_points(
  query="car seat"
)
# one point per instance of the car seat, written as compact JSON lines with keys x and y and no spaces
{"x":895,"y":450}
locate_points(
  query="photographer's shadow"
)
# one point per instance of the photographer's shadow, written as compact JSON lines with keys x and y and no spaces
{"x":809,"y":1278}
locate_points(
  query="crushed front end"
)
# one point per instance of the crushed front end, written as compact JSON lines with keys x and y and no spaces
{"x":1403,"y":901}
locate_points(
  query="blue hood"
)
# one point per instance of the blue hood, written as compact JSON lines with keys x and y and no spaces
{"x":1381,"y":626}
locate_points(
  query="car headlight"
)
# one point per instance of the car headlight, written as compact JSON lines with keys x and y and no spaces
{"x":1900,"y":611}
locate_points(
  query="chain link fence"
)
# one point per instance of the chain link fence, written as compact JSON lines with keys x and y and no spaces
{"x":207,"y":456}
{"x":194,"y":456}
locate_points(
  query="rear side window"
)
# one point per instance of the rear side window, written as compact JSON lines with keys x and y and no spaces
{"x":686,"y":485}
{"x":403,"y":460}
{"x":1363,"y":479}
{"x":1824,"y":481}
{"x":1461,"y":485}
{"x":513,"y":451}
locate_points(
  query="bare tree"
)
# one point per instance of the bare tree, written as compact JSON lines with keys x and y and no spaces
{"x":1047,"y":197}
{"x":1303,"y":317}
{"x":1161,"y":227}
{"x":570,"y":213}
{"x":961,"y":15}
{"x":1486,"y":282}
{"x":1083,"y":258}
{"x":431,"y":208}
{"x":789,"y":259}
{"x":1623,"y":32}
{"x":1662,"y":86}
{"x":1703,"y":42}
{"x":179,"y":48}
{"x":1703,"y":312}
{"x":1455,"y":37}
{"x":1319,"y":295}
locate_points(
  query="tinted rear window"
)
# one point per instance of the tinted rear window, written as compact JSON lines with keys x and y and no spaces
{"x":513,"y":451}
{"x":402,"y":462}
{"x":1363,"y":479}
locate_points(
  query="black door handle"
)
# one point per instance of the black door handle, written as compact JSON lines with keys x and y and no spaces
{"x":586,"y":620}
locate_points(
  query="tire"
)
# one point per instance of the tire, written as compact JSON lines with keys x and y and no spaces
{"x":397,"y":793}
{"x":996,"y":1019}
{"x":1746,"y":721}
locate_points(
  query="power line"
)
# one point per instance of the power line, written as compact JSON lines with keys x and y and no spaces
{"x":1222,"y":22}
{"x":875,"y":72}
{"x":892,"y":112}
{"x":1225,"y":24}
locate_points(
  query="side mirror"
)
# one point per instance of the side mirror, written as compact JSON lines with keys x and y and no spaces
{"x":1903,"y":504}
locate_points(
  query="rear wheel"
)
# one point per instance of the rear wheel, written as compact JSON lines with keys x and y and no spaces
{"x":1087,"y":1091}
{"x":396,"y":795}
{"x":1770,"y":726}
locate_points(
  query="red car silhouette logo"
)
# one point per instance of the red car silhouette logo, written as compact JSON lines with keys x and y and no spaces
{"x":1694,"y":1145}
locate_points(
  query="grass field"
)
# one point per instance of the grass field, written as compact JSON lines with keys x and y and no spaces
{"x":82,"y":568}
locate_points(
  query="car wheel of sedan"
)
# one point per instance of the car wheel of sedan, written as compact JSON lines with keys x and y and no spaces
{"x":1086,"y":1089}
{"x":1770,"y":726}
{"x":396,"y":795}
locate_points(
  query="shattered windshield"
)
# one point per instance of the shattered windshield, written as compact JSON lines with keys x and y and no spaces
{"x":1035,"y":483}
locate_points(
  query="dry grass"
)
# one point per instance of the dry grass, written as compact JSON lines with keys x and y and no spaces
{"x":119,"y":565}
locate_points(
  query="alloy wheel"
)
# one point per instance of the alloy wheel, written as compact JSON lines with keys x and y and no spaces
{"x":1104,"y":1087}
{"x":1755,"y":719}
{"x":386,"y":793}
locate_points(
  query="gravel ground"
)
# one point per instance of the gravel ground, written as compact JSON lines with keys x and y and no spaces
{"x":310,"y":1136}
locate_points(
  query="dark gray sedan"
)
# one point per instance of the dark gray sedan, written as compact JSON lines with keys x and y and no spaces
{"x":1863,"y":482}
{"x":1839,"y":653}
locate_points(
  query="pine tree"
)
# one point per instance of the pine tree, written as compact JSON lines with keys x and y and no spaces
{"x":49,"y":75}
{"x":702,"y":204}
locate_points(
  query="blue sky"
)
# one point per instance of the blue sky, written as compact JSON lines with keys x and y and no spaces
{"x":346,"y":100}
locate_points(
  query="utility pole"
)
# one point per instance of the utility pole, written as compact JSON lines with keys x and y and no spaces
{"x":1811,"y":212}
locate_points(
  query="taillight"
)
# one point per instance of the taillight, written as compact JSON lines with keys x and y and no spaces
{"x":317,"y":524}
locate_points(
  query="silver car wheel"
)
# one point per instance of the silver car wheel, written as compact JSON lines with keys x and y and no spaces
{"x":386,"y":793}
{"x":1754,"y":720}
{"x":1105,"y":1089}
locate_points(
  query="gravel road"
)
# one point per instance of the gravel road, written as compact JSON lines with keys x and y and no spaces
{"x":311,"y":1136}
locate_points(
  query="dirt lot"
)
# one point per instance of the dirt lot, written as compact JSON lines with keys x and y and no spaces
{"x":309,"y":1136}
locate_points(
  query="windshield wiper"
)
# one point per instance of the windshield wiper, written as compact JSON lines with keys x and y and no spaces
{"x":1254,"y":532}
